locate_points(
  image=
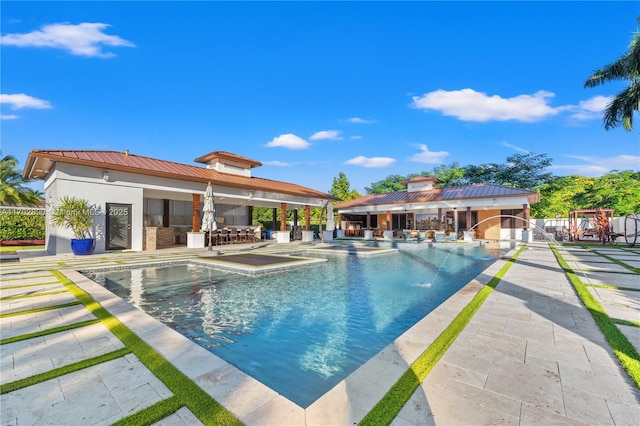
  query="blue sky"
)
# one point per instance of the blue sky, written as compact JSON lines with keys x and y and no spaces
{"x":312,"y":89}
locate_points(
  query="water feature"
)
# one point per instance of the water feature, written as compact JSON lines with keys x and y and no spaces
{"x":302,"y":331}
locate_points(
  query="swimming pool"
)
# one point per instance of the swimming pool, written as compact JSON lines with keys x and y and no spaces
{"x":301,"y":332}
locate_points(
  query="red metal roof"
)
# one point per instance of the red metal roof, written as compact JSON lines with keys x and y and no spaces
{"x":40,"y":161}
{"x":483,"y":190}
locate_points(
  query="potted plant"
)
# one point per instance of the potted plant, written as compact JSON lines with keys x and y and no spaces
{"x":76,"y":214}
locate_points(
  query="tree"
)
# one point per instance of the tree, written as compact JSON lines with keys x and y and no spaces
{"x":558,"y":196}
{"x":616,"y":190}
{"x":450,"y":175}
{"x":12,"y":191}
{"x":341,"y":188}
{"x":392,"y":183}
{"x":526,"y":171}
{"x":621,"y":109}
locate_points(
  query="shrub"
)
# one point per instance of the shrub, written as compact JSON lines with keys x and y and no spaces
{"x":22,"y":224}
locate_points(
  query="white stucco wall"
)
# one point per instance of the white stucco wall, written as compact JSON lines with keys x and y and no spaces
{"x":83,"y":182}
{"x":101,"y":186}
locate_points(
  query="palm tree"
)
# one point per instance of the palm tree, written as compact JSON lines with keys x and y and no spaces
{"x":621,"y":109}
{"x":11,"y":190}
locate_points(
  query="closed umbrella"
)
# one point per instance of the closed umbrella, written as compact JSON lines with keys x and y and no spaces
{"x":331,"y":224}
{"x":209,"y":209}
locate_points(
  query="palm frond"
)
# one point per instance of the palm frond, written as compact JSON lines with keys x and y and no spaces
{"x":622,"y":108}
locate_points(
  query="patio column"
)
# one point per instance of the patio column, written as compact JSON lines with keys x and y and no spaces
{"x":283,"y":216}
{"x":165,"y":213}
{"x":389,"y":220}
{"x":440,"y":226}
{"x":469,"y":225}
{"x":274,"y":219}
{"x":195,"y":217}
{"x":307,"y":234}
{"x":526,"y":209}
{"x":368,"y":220}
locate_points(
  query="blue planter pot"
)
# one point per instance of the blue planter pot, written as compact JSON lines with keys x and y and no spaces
{"x":82,"y":247}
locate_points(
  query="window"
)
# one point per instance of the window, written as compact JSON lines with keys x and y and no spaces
{"x":507,"y":221}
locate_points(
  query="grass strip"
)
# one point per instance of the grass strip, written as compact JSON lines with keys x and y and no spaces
{"x":27,"y":296}
{"x":390,"y":405}
{"x":626,"y":322}
{"x":28,"y":285}
{"x":152,"y":414}
{"x":26,"y":278}
{"x":35,"y":310}
{"x":626,"y":353}
{"x":612,"y":287}
{"x":616,"y":261}
{"x":61,"y":371}
{"x":48,"y":331}
{"x":202,"y":405}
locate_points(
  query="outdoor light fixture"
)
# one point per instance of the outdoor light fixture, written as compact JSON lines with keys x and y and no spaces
{"x":105,"y":176}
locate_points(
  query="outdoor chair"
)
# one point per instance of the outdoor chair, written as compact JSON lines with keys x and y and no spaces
{"x":408,"y":237}
{"x":440,"y":237}
{"x":233,"y":235}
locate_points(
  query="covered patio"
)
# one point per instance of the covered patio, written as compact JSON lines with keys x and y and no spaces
{"x":482,"y":211}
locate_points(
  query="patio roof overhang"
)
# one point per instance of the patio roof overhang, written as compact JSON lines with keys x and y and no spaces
{"x":180,"y":181}
{"x":475,"y":197}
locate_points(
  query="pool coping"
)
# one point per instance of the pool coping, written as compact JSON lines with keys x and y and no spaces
{"x":255,"y":403}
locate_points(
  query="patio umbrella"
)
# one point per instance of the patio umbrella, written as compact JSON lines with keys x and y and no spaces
{"x":331,"y":224}
{"x":209,"y":209}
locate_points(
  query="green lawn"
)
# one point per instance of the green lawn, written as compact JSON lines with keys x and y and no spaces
{"x":4,"y":249}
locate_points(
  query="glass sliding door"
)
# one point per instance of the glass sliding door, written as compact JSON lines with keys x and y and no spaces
{"x":118,"y":233}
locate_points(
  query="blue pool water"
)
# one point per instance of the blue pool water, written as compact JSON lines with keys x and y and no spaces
{"x":302,"y":331}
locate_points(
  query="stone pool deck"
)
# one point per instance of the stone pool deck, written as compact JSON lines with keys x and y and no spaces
{"x":532,"y":354}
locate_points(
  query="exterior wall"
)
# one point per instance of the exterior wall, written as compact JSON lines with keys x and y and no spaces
{"x":111,"y":186}
{"x":489,"y":230}
{"x":92,"y":187}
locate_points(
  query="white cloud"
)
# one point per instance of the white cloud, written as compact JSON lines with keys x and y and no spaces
{"x":376,"y":162}
{"x":20,"y":100}
{"x":288,"y":140}
{"x":428,"y":157}
{"x":276,"y":163}
{"x":590,"y":109}
{"x":359,"y":120}
{"x":598,"y":166}
{"x":84,"y":39}
{"x":326,"y":134}
{"x":469,"y":105}
{"x":515,"y":148}
{"x":355,"y":137}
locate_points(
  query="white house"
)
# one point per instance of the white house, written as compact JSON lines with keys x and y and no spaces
{"x":491,"y":211}
{"x":141,"y":201}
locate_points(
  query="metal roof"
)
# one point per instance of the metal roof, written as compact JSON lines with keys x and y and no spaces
{"x":39,"y":162}
{"x":483,"y":190}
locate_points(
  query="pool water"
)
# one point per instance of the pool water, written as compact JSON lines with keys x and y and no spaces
{"x":301,"y":332}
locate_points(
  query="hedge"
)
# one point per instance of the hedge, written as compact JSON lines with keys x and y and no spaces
{"x":22,"y":224}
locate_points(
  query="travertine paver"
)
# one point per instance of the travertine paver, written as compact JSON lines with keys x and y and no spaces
{"x":32,"y":356}
{"x":98,"y":395}
{"x":182,"y":417}
{"x":30,"y":303}
{"x":43,"y":320}
{"x":531,"y":355}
